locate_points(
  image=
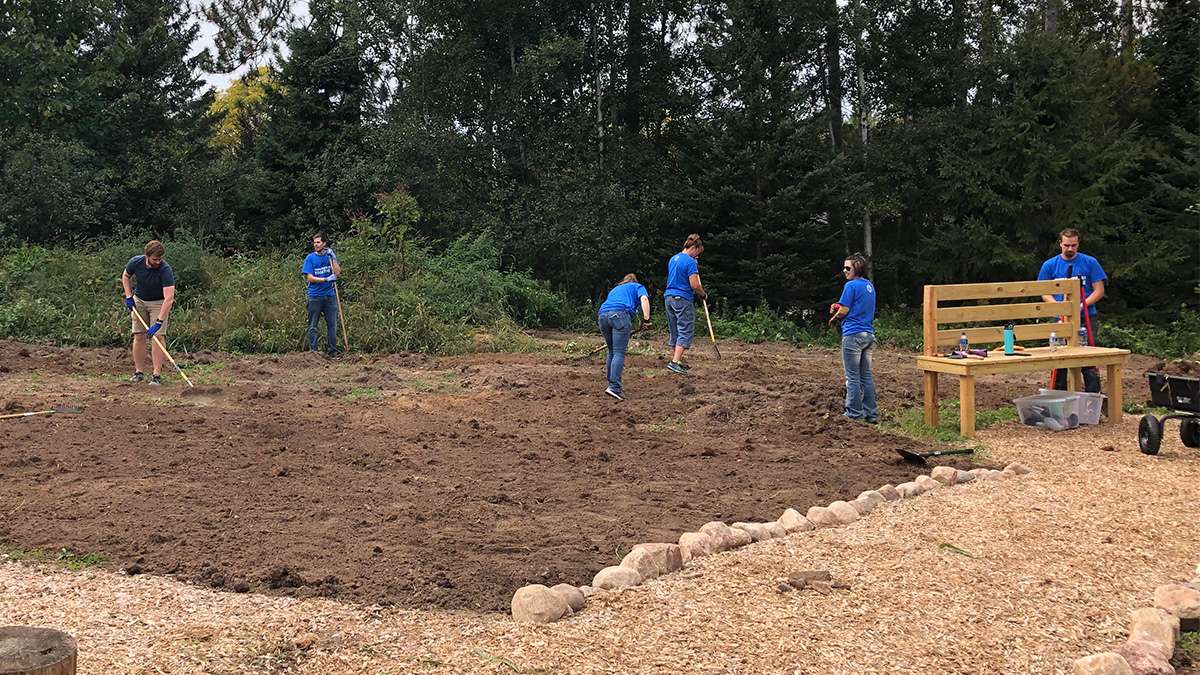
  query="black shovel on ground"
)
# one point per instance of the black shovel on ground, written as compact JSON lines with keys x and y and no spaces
{"x":924,"y":457}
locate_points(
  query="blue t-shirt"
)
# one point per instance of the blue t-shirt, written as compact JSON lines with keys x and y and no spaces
{"x":681,"y":267}
{"x":318,"y":266}
{"x":1081,"y":265}
{"x":149,"y":282}
{"x":859,"y":297}
{"x":624,"y":298}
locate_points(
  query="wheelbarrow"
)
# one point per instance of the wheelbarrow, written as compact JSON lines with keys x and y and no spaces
{"x":1176,"y":393}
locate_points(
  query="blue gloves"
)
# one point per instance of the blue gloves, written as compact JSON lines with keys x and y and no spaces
{"x":331,"y":277}
{"x":129,"y":304}
{"x":153,"y":329}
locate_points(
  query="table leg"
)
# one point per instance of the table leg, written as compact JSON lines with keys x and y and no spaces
{"x":931,"y":398}
{"x":1116,"y":393}
{"x":1074,"y":379}
{"x":966,"y":406}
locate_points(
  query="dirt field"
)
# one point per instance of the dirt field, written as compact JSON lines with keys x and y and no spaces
{"x":420,"y":482}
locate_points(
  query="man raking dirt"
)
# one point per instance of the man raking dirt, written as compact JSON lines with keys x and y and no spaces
{"x":149,"y":287}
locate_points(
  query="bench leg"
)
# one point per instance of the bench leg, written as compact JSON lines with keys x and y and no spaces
{"x":1075,"y":379}
{"x":1116,"y":393}
{"x":966,"y":406}
{"x":931,"y":398}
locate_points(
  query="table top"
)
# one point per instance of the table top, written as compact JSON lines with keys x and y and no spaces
{"x":1038,"y":358}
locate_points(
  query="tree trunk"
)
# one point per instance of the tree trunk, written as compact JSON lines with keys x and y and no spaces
{"x":1127,"y":29}
{"x":634,"y":59}
{"x":1053,"y":9}
{"x":868,"y":244}
{"x":833,"y":101}
{"x":36,"y":651}
{"x":987,"y":41}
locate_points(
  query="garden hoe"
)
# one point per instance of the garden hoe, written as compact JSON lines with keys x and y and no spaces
{"x":923,"y":457}
{"x":56,"y":409}
{"x":163,"y":347}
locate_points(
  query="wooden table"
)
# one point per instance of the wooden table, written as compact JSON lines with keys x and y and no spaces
{"x":1040,"y":358}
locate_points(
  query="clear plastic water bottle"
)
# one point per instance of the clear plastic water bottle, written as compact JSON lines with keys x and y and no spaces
{"x":963,"y":344}
{"x":1083,"y":342}
{"x":1053,"y":342}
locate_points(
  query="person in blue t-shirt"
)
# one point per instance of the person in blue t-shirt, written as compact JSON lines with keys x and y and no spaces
{"x":856,"y":309}
{"x":149,"y":285}
{"x":615,"y":317}
{"x":321,"y":269}
{"x":1071,"y":264}
{"x":683,"y":288}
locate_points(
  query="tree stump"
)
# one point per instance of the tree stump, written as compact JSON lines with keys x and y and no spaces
{"x":25,"y":650}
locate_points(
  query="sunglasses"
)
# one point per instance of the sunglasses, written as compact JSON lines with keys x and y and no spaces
{"x":847,"y":269}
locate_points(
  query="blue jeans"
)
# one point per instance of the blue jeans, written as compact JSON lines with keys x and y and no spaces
{"x":316,"y":307}
{"x":681,"y":321}
{"x":860,"y":386}
{"x":614,"y":326}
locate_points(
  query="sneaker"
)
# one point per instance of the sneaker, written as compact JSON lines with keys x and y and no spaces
{"x":139,"y":376}
{"x":156,"y":380}
{"x":334,"y":356}
{"x":676,"y":367}
{"x":614,"y":394}
{"x":872,"y":420}
{"x":684,"y":366}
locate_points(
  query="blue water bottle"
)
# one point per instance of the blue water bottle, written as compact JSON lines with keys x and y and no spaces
{"x":1009,"y":338}
{"x":1083,"y":342}
{"x":962,"y":344}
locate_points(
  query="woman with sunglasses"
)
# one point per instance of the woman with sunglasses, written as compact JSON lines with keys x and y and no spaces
{"x":856,"y":309}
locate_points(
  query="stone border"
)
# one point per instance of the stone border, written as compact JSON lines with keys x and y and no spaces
{"x":1152,"y":634}
{"x":539,"y":604}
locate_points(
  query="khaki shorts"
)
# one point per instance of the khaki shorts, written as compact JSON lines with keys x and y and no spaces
{"x":149,"y":310}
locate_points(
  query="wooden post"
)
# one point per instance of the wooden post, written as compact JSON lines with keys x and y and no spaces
{"x":1074,"y":379}
{"x":931,"y":398}
{"x":966,"y":406}
{"x":1116,"y":393}
{"x":929,"y":320}
{"x":25,"y":650}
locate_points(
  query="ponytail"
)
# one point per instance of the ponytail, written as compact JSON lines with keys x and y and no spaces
{"x":693,"y":241}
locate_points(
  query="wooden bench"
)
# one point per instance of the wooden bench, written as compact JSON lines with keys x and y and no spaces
{"x":1073,"y":356}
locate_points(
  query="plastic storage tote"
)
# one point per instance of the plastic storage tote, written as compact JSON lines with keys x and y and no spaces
{"x":1049,"y":411}
{"x":1090,"y":404}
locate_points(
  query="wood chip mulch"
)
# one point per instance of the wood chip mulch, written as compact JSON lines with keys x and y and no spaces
{"x":1018,"y":575}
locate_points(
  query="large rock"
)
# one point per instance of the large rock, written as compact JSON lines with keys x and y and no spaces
{"x":652,"y":560}
{"x":741,"y":538}
{"x":1147,"y":657}
{"x":757,"y":531}
{"x":1017,"y":468}
{"x":845,"y":513}
{"x":963,"y":476}
{"x":980,"y":474}
{"x":721,"y":534}
{"x":946,"y":475}
{"x":926,"y":483}
{"x":889,"y":492}
{"x":571,"y":594}
{"x":792,"y":521}
{"x":587,"y":591}
{"x":872,"y":496}
{"x":1105,"y":663}
{"x":820,"y":516}
{"x":696,"y":545}
{"x":615,"y":578}
{"x":863,"y":506}
{"x":1182,"y":601}
{"x":1155,"y":624}
{"x":776,"y":529}
{"x":537,"y":604}
{"x":909,"y":490}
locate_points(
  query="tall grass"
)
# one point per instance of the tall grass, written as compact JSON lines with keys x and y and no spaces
{"x":431,"y":303}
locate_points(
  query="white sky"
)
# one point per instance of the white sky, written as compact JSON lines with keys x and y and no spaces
{"x":207,"y":32}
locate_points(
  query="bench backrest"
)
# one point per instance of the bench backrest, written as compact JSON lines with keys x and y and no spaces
{"x":938,"y":312}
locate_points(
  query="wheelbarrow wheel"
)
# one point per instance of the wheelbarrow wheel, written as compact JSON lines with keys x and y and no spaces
{"x":1149,"y":434}
{"x":1189,"y":431}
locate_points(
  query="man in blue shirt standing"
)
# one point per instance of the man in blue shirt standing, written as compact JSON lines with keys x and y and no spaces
{"x":857,"y":309}
{"x":1071,"y":264}
{"x":321,"y":270}
{"x":149,"y":285}
{"x":616,"y":315}
{"x":683,"y":288}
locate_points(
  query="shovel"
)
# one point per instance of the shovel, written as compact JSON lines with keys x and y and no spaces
{"x":923,"y":457}
{"x":55,"y":409}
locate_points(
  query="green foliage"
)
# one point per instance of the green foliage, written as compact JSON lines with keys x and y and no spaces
{"x":911,"y":421}
{"x":1179,"y":339}
{"x":257,"y":304}
{"x":62,"y":557}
